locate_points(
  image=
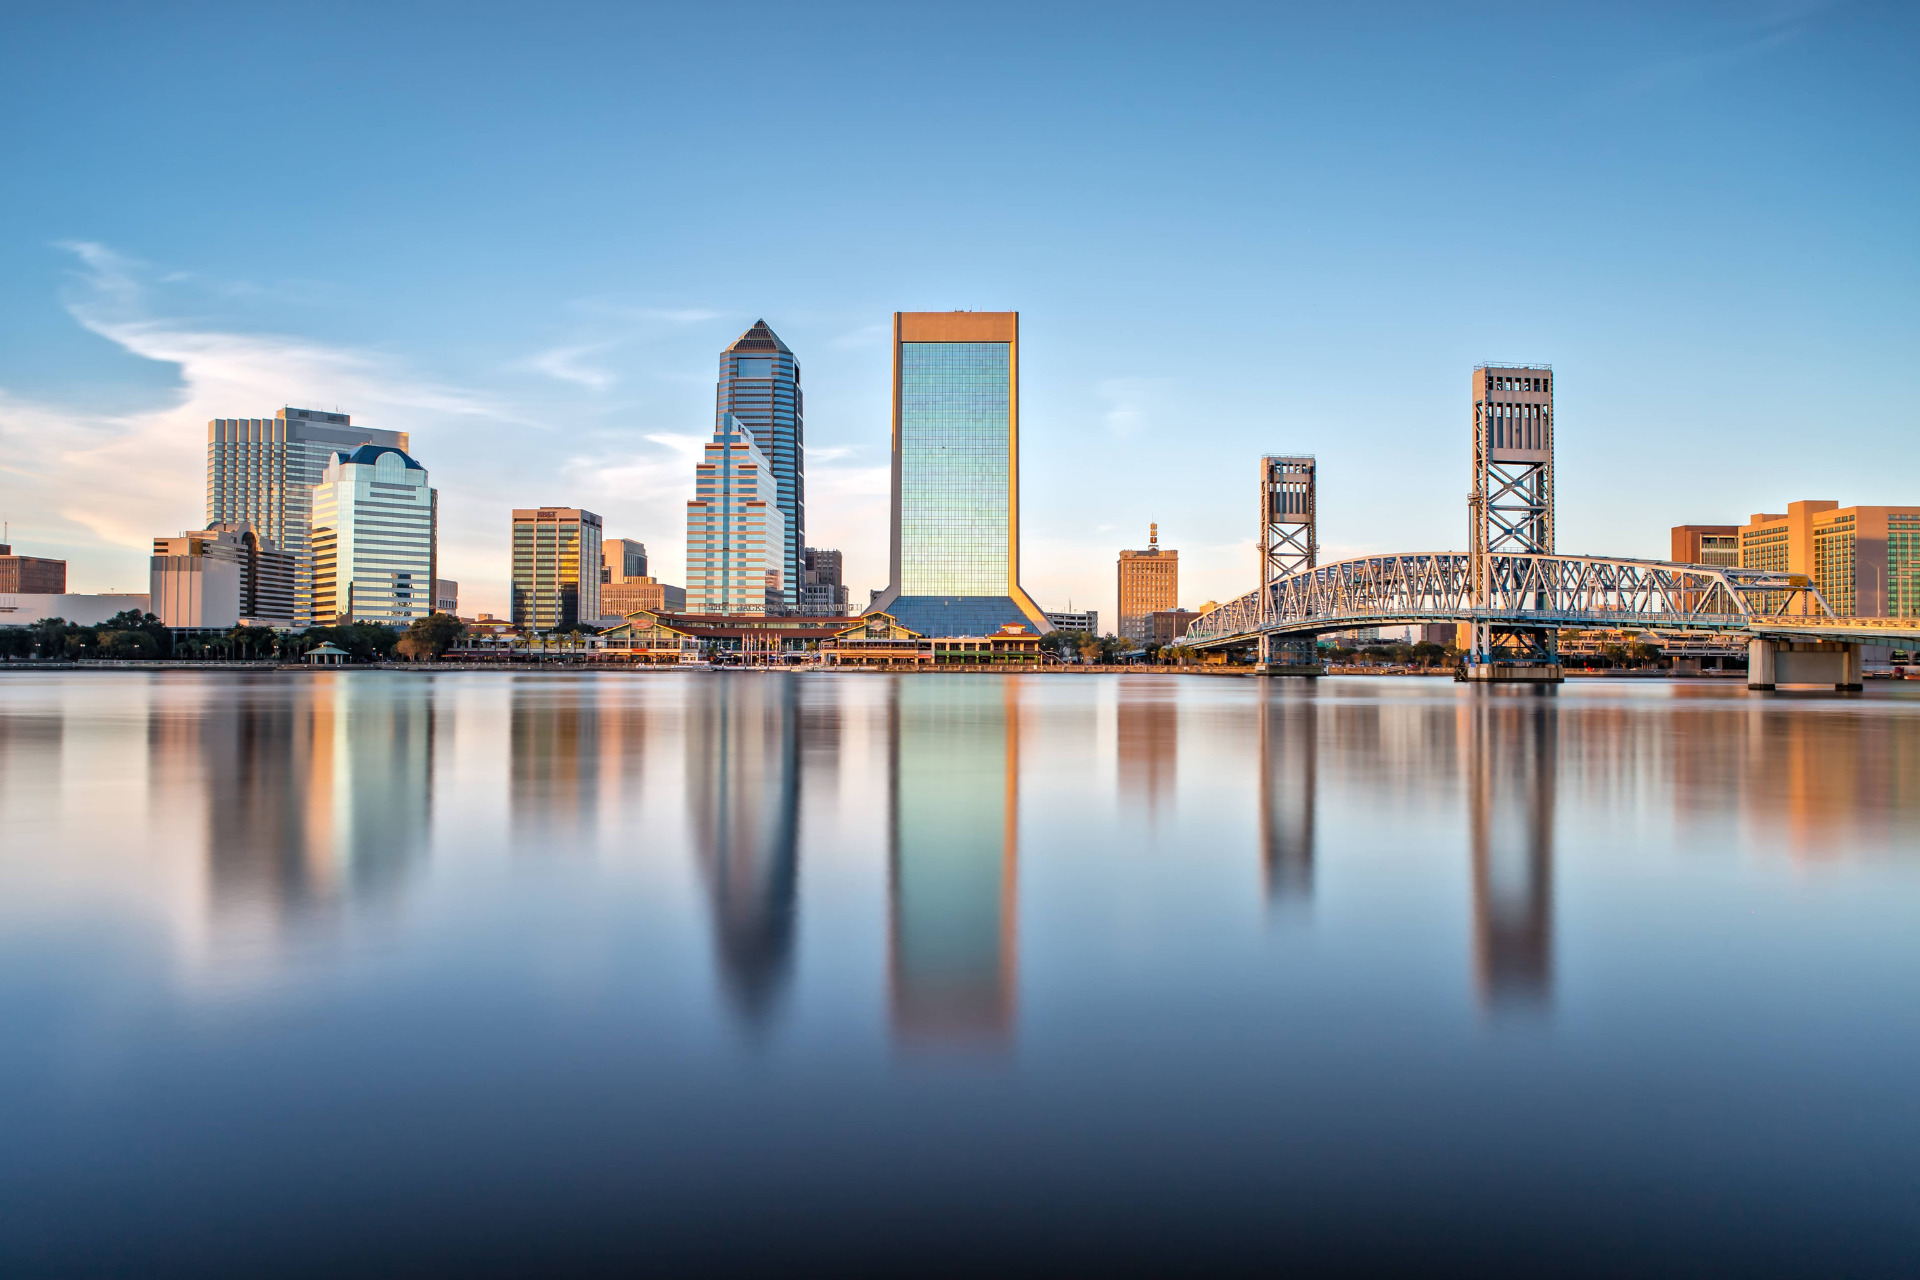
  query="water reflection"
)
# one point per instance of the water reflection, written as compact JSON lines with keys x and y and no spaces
{"x":1289,"y":762}
{"x":1147,"y":737}
{"x":307,"y":801}
{"x":743,"y":799}
{"x":954,"y":859}
{"x":554,"y":768}
{"x":1511,"y":764}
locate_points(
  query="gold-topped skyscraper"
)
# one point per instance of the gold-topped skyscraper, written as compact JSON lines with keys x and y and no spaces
{"x":956,"y":475}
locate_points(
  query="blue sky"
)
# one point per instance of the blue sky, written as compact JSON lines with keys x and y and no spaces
{"x":524,"y":237}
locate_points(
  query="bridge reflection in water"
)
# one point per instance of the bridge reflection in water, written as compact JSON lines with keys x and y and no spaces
{"x":1289,"y":766}
{"x":1510,"y":759}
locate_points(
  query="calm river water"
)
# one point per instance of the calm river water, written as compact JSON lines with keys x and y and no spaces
{"x":356,"y":973}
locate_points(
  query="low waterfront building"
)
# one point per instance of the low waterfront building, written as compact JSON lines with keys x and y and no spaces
{"x":373,"y":541}
{"x":618,"y":599}
{"x":217,"y":578}
{"x":1864,"y":560}
{"x":884,"y":642}
{"x":873,"y":640}
{"x":23,"y":609}
{"x":31,"y":575}
{"x":556,"y":568}
{"x":1167,"y":626}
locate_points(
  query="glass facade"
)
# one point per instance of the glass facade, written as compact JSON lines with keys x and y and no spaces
{"x":955,"y":461}
{"x":760,"y":386}
{"x":1903,"y":566}
{"x":263,"y":471}
{"x":556,"y":568}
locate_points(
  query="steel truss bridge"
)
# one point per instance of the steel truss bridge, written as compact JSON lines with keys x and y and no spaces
{"x":1546,"y":592}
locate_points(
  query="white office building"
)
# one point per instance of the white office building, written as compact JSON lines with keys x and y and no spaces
{"x":374,"y":554}
{"x":736,"y":536}
{"x":262,"y":472}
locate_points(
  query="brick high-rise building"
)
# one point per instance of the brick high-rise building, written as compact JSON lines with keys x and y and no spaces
{"x":1149,"y":584}
{"x":1716,"y":544}
{"x":31,"y":575}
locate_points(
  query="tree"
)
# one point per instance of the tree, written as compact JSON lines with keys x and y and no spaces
{"x":430,"y":637}
{"x":126,"y":644}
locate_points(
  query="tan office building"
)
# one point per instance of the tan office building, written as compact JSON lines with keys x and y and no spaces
{"x":1149,"y":584}
{"x":1864,"y":560}
{"x":1716,"y":544}
{"x":556,"y":568}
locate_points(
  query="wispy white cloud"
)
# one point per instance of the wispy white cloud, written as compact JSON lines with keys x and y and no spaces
{"x":565,"y":364}
{"x":1133,"y":404}
{"x":102,"y":485}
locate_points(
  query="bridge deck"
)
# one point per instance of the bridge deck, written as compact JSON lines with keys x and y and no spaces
{"x":1553,"y":592}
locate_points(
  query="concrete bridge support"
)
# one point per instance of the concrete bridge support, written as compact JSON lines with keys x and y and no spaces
{"x":1772,"y":663}
{"x":1289,"y":656}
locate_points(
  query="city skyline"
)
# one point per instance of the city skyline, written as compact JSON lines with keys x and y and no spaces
{"x":1704,"y":317}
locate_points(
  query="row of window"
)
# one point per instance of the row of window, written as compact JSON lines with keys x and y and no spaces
{"x":1529,"y":383}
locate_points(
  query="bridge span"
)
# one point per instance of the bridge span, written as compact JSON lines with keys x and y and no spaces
{"x":1512,"y":590}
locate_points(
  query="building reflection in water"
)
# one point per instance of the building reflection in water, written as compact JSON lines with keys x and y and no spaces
{"x":954,"y":859}
{"x":311,"y":800}
{"x":554,"y":762}
{"x":743,"y":796}
{"x":1147,"y":732}
{"x":1511,"y":759}
{"x":1289,"y":758}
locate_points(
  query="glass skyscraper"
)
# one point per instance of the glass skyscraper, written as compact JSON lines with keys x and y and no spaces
{"x":263,"y":470}
{"x":760,"y":385}
{"x":956,"y":475}
{"x":556,"y":568}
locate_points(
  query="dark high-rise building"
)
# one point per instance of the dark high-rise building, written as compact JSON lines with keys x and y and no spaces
{"x":822,"y":593}
{"x":760,"y":385}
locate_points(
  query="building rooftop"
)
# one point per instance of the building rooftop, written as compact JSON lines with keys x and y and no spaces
{"x":759,"y":338}
{"x":370,"y":453}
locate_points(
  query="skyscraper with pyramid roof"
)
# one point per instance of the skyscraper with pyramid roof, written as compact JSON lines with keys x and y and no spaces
{"x":760,"y":385}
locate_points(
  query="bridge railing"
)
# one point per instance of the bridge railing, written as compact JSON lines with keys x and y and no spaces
{"x":1569,"y":591}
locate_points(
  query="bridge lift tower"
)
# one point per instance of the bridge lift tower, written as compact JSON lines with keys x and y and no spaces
{"x":1289,"y":544}
{"x":1510,"y":511}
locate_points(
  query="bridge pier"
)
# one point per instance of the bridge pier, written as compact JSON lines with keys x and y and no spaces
{"x":1288,"y":656}
{"x":1772,"y":663}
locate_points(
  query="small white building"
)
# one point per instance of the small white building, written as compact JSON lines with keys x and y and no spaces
{"x":219,"y":577}
{"x":374,"y":550}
